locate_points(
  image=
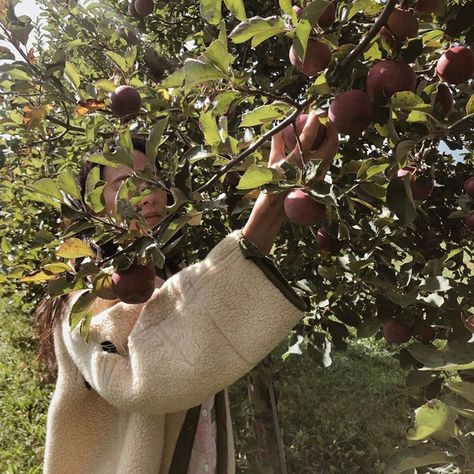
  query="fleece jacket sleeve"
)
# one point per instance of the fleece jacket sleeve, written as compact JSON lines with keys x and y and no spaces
{"x":205,"y":328}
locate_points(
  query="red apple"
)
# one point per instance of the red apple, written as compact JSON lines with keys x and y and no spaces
{"x":427,"y":6}
{"x":388,"y":37}
{"x":388,"y":77}
{"x":421,"y":188}
{"x":469,"y":186}
{"x":403,"y":24}
{"x":302,"y":209}
{"x":318,"y":56}
{"x":328,"y":16}
{"x":469,"y":323}
{"x":132,"y":10}
{"x":290,"y":138}
{"x":298,"y":10}
{"x":469,"y":220}
{"x":396,"y":332}
{"x":144,"y":7}
{"x":125,"y":102}
{"x":326,"y":242}
{"x":444,"y":100}
{"x":456,"y":65}
{"x":425,"y":333}
{"x":351,"y":112}
{"x":136,"y":284}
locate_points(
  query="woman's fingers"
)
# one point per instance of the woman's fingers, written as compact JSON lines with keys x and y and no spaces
{"x":309,"y":133}
{"x":277,"y":152}
{"x":328,"y":148}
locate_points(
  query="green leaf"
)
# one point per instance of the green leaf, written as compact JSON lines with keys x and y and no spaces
{"x":459,"y":356}
{"x":403,"y":148}
{"x":118,"y":59}
{"x":198,"y":153}
{"x":197,"y":71}
{"x":208,"y":125}
{"x":237,"y":8}
{"x":48,"y":187}
{"x":400,"y":200}
{"x":412,"y":457}
{"x":257,"y":26}
{"x":255,"y":176}
{"x":95,"y":200}
{"x":80,"y":309}
{"x":470,"y":105}
{"x":38,"y":277}
{"x":308,"y":19}
{"x":74,"y":248}
{"x":211,"y":11}
{"x":130,"y":57}
{"x":286,"y":6}
{"x":72,"y":74}
{"x":402,"y":299}
{"x":67,"y":182}
{"x":408,"y":101}
{"x":359,"y":6}
{"x":463,"y":389}
{"x":58,"y":267}
{"x":105,"y":85}
{"x":416,"y":116}
{"x":154,"y":140}
{"x":373,"y":53}
{"x":434,"y":419}
{"x":217,"y":54}
{"x":435,"y":283}
{"x":223,"y":101}
{"x":175,"y":79}
{"x":265,"y":114}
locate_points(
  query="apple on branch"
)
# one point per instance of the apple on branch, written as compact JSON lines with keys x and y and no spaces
{"x":125,"y":102}
{"x":396,"y":332}
{"x":302,"y":209}
{"x":318,"y":56}
{"x":351,"y":112}
{"x":136,"y":284}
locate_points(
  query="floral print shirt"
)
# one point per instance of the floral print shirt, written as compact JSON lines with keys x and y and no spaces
{"x":204,"y":453}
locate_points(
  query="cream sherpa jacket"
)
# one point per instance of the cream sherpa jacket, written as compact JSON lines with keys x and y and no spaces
{"x":129,"y":410}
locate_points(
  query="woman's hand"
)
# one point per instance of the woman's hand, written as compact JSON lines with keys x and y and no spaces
{"x":268,"y":213}
{"x":325,"y":152}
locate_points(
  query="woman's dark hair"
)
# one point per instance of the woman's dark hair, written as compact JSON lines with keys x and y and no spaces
{"x":51,"y":309}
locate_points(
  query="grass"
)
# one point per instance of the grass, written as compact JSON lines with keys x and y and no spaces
{"x":24,"y":399}
{"x":344,"y":419}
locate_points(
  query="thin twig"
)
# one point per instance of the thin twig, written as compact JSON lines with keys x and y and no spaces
{"x":255,"y":146}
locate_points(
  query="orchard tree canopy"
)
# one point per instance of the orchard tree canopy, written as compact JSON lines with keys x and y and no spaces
{"x":381,"y":246}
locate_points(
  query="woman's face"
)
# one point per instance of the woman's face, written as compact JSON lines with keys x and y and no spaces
{"x":152,"y":206}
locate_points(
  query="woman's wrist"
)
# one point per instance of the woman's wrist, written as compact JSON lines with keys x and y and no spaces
{"x":265,"y":221}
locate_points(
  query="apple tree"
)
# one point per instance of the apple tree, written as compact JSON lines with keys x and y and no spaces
{"x":379,"y":244}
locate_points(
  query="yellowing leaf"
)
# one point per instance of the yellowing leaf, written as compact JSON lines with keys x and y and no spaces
{"x":33,"y":116}
{"x":74,"y":248}
{"x":37,"y":278}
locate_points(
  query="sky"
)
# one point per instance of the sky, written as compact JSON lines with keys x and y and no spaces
{"x":26,"y":7}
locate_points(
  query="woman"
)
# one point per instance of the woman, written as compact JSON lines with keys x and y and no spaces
{"x":147,"y":392}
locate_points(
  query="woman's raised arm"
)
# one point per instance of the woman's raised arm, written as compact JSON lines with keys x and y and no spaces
{"x":268,"y":213}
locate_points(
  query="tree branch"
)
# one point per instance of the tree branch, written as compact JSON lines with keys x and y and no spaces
{"x":377,"y":26}
{"x":255,"y":146}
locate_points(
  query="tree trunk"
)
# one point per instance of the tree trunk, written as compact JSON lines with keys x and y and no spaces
{"x":270,"y":457}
